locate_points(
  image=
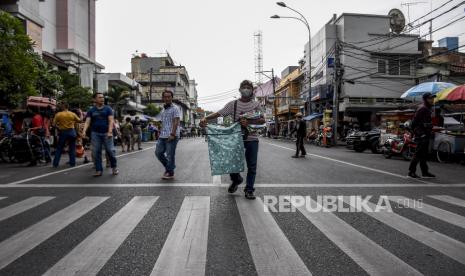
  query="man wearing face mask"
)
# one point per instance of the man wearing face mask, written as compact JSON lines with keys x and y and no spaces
{"x":243,"y":111}
{"x":301,"y":129}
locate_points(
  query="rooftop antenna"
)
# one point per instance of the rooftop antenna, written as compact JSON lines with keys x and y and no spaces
{"x":408,"y":4}
{"x":258,"y":43}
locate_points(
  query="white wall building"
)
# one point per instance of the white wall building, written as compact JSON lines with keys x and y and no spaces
{"x":378,"y":65}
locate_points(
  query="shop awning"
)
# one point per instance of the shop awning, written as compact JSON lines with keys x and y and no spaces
{"x":313,"y":116}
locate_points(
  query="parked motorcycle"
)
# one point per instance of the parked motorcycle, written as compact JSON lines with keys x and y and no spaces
{"x":404,"y":147}
{"x":26,"y":147}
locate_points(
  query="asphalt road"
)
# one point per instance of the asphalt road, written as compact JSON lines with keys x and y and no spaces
{"x":61,"y":222}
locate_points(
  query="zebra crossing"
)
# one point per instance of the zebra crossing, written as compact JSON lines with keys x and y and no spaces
{"x":184,"y":250}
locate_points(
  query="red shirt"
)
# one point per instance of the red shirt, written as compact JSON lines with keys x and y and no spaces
{"x":37,"y":121}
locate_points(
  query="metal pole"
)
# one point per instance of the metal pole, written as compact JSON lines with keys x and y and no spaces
{"x":275,"y":104}
{"x":310,"y":109}
{"x":337,"y":76}
{"x":150,"y":93}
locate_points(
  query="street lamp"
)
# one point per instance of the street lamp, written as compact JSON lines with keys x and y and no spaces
{"x":305,"y":22}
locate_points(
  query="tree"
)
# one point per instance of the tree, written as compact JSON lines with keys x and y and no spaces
{"x":152,"y":110}
{"x":77,"y":97}
{"x":117,"y":97}
{"x":19,"y":71}
{"x":49,"y":81}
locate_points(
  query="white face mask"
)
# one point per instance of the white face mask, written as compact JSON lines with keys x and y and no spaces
{"x":246,"y":92}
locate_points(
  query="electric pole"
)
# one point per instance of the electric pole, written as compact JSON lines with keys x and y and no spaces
{"x":151,"y":85}
{"x":338,"y":71}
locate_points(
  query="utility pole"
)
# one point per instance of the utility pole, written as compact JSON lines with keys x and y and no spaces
{"x":276,"y":126}
{"x":151,"y":85}
{"x":338,"y":71}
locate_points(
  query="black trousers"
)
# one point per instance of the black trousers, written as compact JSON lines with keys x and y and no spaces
{"x":420,"y":156}
{"x":300,"y":146}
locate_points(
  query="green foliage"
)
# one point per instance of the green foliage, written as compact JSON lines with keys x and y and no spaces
{"x":49,"y":81}
{"x":116,"y":97}
{"x":77,"y":97}
{"x":19,"y":71}
{"x":152,"y":110}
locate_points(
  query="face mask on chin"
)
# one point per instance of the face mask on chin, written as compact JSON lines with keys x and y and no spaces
{"x":167,"y":105}
{"x":246,"y":92}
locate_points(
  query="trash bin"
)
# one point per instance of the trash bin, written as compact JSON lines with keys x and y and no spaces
{"x":145,"y":136}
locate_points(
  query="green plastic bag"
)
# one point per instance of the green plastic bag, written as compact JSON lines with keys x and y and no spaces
{"x":226,"y":149}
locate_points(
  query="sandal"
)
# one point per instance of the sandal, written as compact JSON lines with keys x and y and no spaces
{"x":97,"y":174}
{"x":115,"y":171}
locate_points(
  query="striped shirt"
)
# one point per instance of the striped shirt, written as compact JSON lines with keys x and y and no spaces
{"x":243,"y":109}
{"x":167,"y":116}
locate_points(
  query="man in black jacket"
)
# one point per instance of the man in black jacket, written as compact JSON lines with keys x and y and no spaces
{"x":301,"y":129}
{"x":422,"y":128}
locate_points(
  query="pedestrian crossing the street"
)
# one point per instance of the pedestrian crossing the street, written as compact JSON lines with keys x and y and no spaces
{"x":183,"y":249}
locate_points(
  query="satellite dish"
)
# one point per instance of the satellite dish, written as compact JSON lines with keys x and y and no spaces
{"x":397,"y":20}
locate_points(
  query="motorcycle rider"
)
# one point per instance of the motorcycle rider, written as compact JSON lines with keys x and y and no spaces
{"x":422,"y":128}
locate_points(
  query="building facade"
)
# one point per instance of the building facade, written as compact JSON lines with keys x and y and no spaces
{"x":376,"y":66}
{"x":63,"y":32}
{"x":155,"y":74}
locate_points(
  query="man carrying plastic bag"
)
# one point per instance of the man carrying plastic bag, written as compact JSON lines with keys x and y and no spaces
{"x":248,"y":113}
{"x":226,"y":149}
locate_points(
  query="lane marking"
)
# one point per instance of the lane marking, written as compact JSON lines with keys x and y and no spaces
{"x":22,"y":242}
{"x":22,"y":206}
{"x":185,"y":249}
{"x":271,"y":251}
{"x":2,"y":197}
{"x":72,"y":168}
{"x":216,"y":180}
{"x":210,"y":185}
{"x":430,"y":210}
{"x":352,"y":164}
{"x":91,"y":254}
{"x":370,"y":256}
{"x":449,"y":199}
{"x":438,"y":241}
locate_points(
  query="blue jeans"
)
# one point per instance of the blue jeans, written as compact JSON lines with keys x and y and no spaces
{"x":70,"y":136}
{"x":251,"y":153}
{"x":165,"y":152}
{"x":98,"y":140}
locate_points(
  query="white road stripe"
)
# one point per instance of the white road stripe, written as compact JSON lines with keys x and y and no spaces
{"x":209,"y":185}
{"x":449,"y":199}
{"x":92,"y":253}
{"x":1,"y":197}
{"x":430,"y":210}
{"x":367,"y":254}
{"x":351,"y":164}
{"x":185,"y":249}
{"x":22,"y":242}
{"x":71,"y":168}
{"x":271,"y":251}
{"x":23,"y":206}
{"x":440,"y":242}
{"x":216,"y":180}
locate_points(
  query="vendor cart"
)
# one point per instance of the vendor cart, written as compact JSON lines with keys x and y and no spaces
{"x":450,"y":142}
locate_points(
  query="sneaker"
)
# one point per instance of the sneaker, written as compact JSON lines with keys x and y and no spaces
{"x":115,"y":171}
{"x":233,"y":187}
{"x":413,"y":175}
{"x":428,"y":175}
{"x":168,"y":176}
{"x":295,"y":156}
{"x":303,"y":156}
{"x":249,"y":195}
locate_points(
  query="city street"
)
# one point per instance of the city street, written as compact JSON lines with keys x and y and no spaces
{"x":64,"y":221}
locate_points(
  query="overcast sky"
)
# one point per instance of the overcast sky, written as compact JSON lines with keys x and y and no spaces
{"x":214,"y":38}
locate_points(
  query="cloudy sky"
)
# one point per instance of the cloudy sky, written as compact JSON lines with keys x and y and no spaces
{"x":214,"y":38}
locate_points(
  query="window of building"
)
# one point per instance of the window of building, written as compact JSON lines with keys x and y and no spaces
{"x":393,"y":66}
{"x":405,"y":67}
{"x":381,"y":66}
